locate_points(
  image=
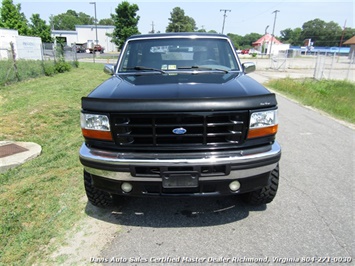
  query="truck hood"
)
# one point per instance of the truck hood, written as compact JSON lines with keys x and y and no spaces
{"x":180,"y":92}
{"x":178,"y":86}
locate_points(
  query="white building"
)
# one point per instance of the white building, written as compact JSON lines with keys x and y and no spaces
{"x":268,"y":42}
{"x":6,"y":37}
{"x":25,"y":47}
{"x":87,"y":34}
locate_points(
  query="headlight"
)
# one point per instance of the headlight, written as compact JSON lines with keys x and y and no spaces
{"x":263,"y":119}
{"x":263,"y":124}
{"x":95,"y":126}
{"x":95,"y":122}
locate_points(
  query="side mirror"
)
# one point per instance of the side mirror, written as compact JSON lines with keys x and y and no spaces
{"x":109,"y":69}
{"x":248,"y":67}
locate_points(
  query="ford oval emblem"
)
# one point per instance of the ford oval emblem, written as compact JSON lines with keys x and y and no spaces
{"x":179,"y":131}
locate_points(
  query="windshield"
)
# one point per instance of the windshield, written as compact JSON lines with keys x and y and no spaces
{"x":173,"y":54}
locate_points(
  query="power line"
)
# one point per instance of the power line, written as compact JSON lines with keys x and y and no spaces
{"x":256,"y":15}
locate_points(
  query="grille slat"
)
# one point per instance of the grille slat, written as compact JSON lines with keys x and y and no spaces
{"x":202,"y":129}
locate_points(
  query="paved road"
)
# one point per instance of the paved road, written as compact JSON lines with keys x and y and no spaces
{"x":311,"y":217}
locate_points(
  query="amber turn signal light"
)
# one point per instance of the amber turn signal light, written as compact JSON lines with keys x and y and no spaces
{"x":262,"y":131}
{"x":96,"y":134}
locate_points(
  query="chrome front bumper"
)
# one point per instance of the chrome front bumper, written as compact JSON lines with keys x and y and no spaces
{"x":245,"y":163}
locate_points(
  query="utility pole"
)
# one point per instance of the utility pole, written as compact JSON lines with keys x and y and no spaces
{"x":273,"y":30}
{"x":52,"y":33}
{"x":224,"y":16}
{"x":96,"y":41}
{"x":263,"y":47}
{"x":94,"y":3}
{"x":342,"y":36}
{"x":152,"y":31}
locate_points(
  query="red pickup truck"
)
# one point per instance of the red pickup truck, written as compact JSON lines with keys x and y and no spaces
{"x":97,"y":48}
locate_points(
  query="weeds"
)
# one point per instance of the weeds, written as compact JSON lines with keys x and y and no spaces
{"x":27,"y":69}
{"x":331,"y":96}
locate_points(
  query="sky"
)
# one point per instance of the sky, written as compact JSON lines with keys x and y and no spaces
{"x":243,"y":18}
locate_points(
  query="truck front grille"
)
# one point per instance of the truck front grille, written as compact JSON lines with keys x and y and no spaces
{"x":179,"y":130}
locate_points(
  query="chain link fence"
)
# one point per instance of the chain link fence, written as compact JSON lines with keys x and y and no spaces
{"x":53,"y":59}
{"x":334,"y":67}
{"x":317,"y":66}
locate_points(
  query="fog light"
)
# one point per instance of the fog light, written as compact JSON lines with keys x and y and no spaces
{"x":126,"y":187}
{"x":234,"y":186}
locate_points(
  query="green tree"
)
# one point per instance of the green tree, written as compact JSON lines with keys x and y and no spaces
{"x":125,"y":22}
{"x":12,"y":18}
{"x":179,"y":22}
{"x":39,"y":28}
{"x":332,"y":33}
{"x":248,"y":39}
{"x":236,"y":40}
{"x":322,"y":33}
{"x":296,"y":37}
{"x":190,"y":24}
{"x":68,"y":20}
{"x":291,"y":36}
{"x":85,"y":19}
{"x":106,"y":21}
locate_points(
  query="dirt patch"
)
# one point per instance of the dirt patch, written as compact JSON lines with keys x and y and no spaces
{"x":85,"y":240}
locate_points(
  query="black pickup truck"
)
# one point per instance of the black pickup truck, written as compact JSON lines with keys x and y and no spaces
{"x":180,"y":117}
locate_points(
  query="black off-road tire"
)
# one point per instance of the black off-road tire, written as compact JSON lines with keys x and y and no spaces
{"x":266,"y":194}
{"x":96,"y":197}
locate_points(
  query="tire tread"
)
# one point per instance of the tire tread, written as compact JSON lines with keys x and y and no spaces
{"x":96,"y":197}
{"x":266,"y":194}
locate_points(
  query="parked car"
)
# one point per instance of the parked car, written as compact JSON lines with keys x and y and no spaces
{"x":80,"y":47}
{"x":96,"y":48}
{"x":181,"y":120}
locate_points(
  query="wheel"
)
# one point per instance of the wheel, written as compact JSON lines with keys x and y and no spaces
{"x":96,"y":197}
{"x":266,"y":194}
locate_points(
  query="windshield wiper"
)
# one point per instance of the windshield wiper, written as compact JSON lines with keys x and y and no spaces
{"x":143,"y":68}
{"x":204,"y":68}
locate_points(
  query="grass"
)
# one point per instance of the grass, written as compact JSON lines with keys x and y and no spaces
{"x":331,"y":96}
{"x":44,"y":197}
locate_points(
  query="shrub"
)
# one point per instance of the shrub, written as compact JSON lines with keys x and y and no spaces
{"x":29,"y":68}
{"x":11,"y":72}
{"x":7,"y":73}
{"x":62,"y":66}
{"x":48,"y":68}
